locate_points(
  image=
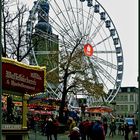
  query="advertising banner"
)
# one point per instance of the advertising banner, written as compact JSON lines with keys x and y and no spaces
{"x":22,"y":78}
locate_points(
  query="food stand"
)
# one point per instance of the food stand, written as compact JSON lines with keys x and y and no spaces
{"x":18,"y":81}
{"x":98,"y":111}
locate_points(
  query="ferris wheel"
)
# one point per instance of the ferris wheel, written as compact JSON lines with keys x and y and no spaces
{"x":65,"y":22}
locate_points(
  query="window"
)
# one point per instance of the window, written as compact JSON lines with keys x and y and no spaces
{"x":126,"y":107}
{"x":121,"y":98}
{"x":131,"y":107}
{"x":117,"y":107}
{"x":128,"y":90}
{"x":124,"y":89}
{"x":121,"y":107}
{"x":131,"y":97}
{"x":125,"y":98}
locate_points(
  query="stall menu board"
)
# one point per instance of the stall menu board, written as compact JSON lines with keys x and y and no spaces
{"x":19,"y":77}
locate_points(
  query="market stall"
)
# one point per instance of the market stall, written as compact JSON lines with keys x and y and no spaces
{"x":99,"y":109}
{"x":93,"y":112}
{"x":19,"y":81}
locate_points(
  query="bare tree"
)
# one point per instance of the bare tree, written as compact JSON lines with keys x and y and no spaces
{"x":14,"y":19}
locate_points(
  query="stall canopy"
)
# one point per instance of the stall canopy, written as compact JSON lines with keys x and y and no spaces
{"x":41,"y":112}
{"x":99,"y":109}
{"x":22,"y":78}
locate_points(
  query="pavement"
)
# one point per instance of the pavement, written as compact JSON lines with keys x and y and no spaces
{"x":38,"y":136}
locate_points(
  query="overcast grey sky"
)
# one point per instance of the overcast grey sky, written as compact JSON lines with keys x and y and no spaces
{"x":124,"y":14}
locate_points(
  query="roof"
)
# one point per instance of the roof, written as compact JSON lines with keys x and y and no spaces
{"x":128,"y":89}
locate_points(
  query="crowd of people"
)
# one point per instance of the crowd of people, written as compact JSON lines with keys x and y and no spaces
{"x":85,"y":129}
{"x":47,"y":126}
{"x":98,"y":130}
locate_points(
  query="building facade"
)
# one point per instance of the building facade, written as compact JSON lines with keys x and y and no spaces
{"x":126,"y":101}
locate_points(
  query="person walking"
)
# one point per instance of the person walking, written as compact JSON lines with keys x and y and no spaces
{"x":72,"y":124}
{"x":126,"y":131}
{"x":111,"y":126}
{"x":133,"y":134}
{"x":119,"y":129}
{"x":55,"y":128}
{"x":49,"y":129}
{"x":74,"y":134}
{"x":82,"y":130}
{"x":105,"y":127}
{"x":98,"y":131}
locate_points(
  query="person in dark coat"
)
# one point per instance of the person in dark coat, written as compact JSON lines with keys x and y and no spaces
{"x":126,"y":131}
{"x":49,"y":129}
{"x":98,"y":131}
{"x":55,"y":128}
{"x":74,"y":134}
{"x":82,"y":130}
{"x":105,"y":127}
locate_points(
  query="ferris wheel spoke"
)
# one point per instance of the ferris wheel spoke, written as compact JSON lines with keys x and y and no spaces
{"x":102,"y":81}
{"x":80,"y":19}
{"x":74,"y":18}
{"x":89,"y":27}
{"x":89,"y":21}
{"x":77,"y":12}
{"x":35,"y":59}
{"x":61,"y":29}
{"x":50,"y":38}
{"x":102,"y":41}
{"x":105,"y":52}
{"x":97,"y":29}
{"x":52,"y":91}
{"x":97,"y":76}
{"x":69,"y":23}
{"x":105,"y":74}
{"x":105,"y":63}
{"x":63,"y":32}
{"x":65,"y":20}
{"x":93,"y":70}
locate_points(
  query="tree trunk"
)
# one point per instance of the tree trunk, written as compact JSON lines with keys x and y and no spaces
{"x":64,"y":94}
{"x":61,"y":109}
